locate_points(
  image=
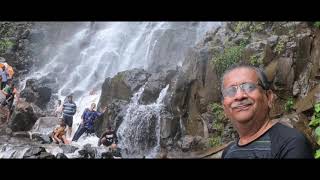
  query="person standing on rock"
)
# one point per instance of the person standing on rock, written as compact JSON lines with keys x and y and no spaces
{"x":4,"y":77}
{"x":69,"y":110}
{"x":247,"y":100}
{"x":58,"y":110}
{"x":88,"y":118}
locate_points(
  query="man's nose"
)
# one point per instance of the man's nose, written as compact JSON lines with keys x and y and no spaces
{"x":240,"y":94}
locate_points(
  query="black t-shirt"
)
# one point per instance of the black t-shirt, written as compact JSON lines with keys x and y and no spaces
{"x":279,"y":142}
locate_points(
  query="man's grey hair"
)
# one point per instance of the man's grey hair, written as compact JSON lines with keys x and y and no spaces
{"x":264,"y":82}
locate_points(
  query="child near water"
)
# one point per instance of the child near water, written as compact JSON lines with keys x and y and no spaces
{"x":59,"y":133}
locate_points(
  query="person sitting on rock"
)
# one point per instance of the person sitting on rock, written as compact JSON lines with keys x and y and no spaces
{"x":6,"y":92}
{"x":88,"y":117}
{"x":58,"y":135}
{"x":108,"y":137}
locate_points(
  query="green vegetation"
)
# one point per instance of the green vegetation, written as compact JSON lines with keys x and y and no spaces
{"x":289,"y":105}
{"x":217,"y":111}
{"x":214,"y":141}
{"x":280,"y":46}
{"x":249,"y":27}
{"x":256,"y":60}
{"x":230,"y":56}
{"x":315,"y":123}
{"x":317,"y":24}
{"x":5,"y":44}
{"x":217,"y":124}
{"x":241,"y":26}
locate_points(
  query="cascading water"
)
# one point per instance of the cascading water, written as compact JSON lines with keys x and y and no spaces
{"x":77,"y":60}
{"x":139,"y":133}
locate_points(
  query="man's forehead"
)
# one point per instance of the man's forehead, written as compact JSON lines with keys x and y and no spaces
{"x":240,"y":75}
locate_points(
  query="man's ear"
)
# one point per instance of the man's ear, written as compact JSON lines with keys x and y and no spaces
{"x":270,"y":98}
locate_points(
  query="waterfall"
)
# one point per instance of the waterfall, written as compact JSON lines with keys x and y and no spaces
{"x":77,"y":59}
{"x":139,"y":133}
{"x":81,"y":61}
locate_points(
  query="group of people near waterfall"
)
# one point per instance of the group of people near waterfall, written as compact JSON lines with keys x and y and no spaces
{"x":9,"y":95}
{"x":67,"y":110}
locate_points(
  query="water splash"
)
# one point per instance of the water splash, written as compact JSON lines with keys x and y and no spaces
{"x":139,"y":133}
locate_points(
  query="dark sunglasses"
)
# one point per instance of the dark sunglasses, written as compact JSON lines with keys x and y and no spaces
{"x":246,"y":87}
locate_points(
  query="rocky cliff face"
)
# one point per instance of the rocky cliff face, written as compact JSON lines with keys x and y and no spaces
{"x":289,"y":53}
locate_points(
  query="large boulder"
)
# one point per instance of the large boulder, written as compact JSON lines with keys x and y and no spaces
{"x":37,"y":153}
{"x":23,"y":117}
{"x":155,"y":84}
{"x":36,"y":93}
{"x":68,"y":148}
{"x":197,"y":85}
{"x":122,"y":86}
{"x":116,"y":94}
{"x":44,"y":125}
{"x":61,"y":156}
{"x":189,"y":142}
{"x":87,"y":152}
{"x":42,"y":138}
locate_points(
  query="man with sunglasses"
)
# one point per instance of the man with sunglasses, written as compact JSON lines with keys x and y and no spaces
{"x":247,"y":100}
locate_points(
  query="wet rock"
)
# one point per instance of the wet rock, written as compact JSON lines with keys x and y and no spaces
{"x":23,"y":118}
{"x":196,"y":86}
{"x":122,"y":86}
{"x":116,"y":94}
{"x":21,"y":134}
{"x":106,"y":155}
{"x":189,"y":142}
{"x":45,"y":125}
{"x":87,"y":152}
{"x":46,"y":155}
{"x":34,"y":152}
{"x":36,"y":93}
{"x":154,"y":85}
{"x":61,"y":156}
{"x":42,"y":138}
{"x":68,"y":148}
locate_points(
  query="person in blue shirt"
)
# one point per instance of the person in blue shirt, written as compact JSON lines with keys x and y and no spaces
{"x":88,"y":117}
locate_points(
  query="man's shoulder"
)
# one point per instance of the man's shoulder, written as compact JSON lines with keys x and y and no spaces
{"x":283,"y":131}
{"x":288,"y":142}
{"x":227,"y":148}
{"x":282,"y":135}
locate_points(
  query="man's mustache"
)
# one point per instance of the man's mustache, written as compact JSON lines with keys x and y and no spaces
{"x":244,"y":102}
